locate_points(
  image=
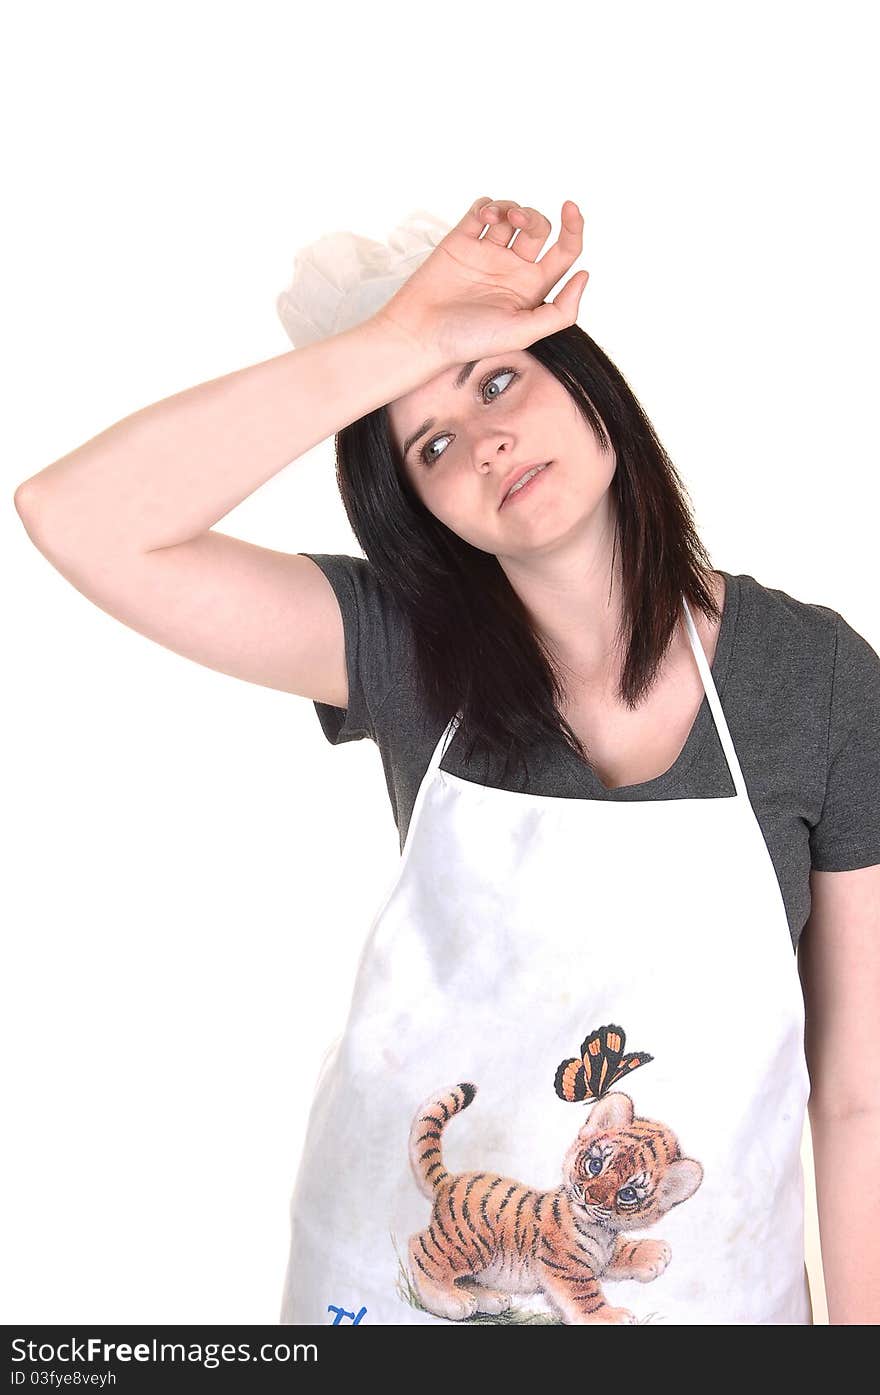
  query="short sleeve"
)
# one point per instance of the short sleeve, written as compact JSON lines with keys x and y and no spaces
{"x":847,"y":834}
{"x":371,"y":624}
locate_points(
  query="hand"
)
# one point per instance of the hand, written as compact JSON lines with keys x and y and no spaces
{"x":474,"y":296}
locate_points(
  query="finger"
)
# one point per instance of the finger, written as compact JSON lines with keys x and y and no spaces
{"x":486,"y":212}
{"x":501,"y":229}
{"x":473,"y":221}
{"x":533,"y":230}
{"x":566,"y":249}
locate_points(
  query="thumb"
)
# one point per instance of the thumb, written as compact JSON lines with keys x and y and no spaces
{"x":569,"y":298}
{"x":562,"y":310}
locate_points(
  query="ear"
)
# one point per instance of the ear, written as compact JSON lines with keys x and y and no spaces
{"x":613,"y":1111}
{"x":679,"y":1181}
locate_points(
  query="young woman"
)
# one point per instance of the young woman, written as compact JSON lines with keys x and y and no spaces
{"x":572,"y":1083}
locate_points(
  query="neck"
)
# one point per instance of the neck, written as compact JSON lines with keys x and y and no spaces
{"x":574,"y":599}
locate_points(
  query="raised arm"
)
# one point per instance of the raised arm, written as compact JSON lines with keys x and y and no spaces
{"x":127,"y":518}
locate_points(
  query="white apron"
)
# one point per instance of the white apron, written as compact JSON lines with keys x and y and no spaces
{"x":572,"y":1083}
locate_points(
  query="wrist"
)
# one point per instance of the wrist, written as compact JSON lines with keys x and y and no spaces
{"x":419,"y":350}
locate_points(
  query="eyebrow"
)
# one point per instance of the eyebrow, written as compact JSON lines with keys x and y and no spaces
{"x":460,"y":380}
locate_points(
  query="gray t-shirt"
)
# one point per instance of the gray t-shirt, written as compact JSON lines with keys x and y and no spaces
{"x":800,"y":690}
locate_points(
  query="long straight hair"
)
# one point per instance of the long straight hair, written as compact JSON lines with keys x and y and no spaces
{"x":475,"y":646}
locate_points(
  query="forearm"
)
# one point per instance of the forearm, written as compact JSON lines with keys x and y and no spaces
{"x":172,"y":470}
{"x":846,"y":1154}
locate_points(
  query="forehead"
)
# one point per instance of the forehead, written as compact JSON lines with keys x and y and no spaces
{"x":406,"y":413}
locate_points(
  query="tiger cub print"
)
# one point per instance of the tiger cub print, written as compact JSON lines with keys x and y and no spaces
{"x":491,"y":1236}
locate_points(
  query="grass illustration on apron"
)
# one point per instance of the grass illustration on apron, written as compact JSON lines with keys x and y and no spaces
{"x":490,"y":1237}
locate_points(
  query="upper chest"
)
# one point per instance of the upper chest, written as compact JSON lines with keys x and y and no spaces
{"x":628,"y":747}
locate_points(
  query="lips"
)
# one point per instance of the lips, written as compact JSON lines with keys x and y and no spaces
{"x":516,"y":475}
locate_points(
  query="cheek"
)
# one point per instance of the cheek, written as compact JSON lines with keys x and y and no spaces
{"x":452,"y":497}
{"x":429,"y":492}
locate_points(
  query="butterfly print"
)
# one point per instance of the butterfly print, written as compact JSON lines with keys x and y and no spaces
{"x":601,"y":1064}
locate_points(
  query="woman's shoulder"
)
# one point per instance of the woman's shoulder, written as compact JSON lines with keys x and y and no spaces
{"x":377,"y":646}
{"x":779,"y":634}
{"x":774,"y":600}
{"x":357,"y":582}
{"x":774,"y":611}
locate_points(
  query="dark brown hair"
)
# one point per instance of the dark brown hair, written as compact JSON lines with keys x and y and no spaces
{"x":475,"y":646}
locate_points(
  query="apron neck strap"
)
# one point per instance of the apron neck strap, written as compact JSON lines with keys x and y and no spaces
{"x":445,"y":737}
{"x":714,"y":703}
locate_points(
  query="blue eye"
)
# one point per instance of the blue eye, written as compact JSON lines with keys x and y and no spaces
{"x":499,"y":373}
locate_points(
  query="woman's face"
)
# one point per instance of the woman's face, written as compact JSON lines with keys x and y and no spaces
{"x":471,"y":436}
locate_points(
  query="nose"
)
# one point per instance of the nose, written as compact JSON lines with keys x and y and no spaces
{"x":492,"y":452}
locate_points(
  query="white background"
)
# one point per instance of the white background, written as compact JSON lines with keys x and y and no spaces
{"x":190,"y":868}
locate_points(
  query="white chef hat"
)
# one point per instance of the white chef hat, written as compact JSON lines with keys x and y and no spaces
{"x":342,"y":279}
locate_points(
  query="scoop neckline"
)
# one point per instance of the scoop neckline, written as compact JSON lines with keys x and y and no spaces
{"x":566,"y":766}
